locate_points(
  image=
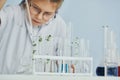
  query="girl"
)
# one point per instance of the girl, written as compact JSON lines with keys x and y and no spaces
{"x":22,"y":27}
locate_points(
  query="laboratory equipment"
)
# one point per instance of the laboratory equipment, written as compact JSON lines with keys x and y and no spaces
{"x":110,"y":67}
{"x":119,"y":64}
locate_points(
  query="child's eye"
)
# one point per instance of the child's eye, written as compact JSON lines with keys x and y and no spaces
{"x":47,"y":13}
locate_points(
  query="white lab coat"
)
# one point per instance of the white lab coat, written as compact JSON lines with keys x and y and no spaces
{"x":16,"y":39}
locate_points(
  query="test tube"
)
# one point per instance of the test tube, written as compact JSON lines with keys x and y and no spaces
{"x":119,"y":65}
{"x":110,"y":53}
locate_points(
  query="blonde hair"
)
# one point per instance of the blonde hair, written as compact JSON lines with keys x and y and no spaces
{"x":58,"y":2}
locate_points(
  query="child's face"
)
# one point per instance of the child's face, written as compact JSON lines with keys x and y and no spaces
{"x":41,"y":11}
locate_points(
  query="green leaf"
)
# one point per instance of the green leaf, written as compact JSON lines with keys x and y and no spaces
{"x":34,"y":51}
{"x":34,"y":44}
{"x":40,"y":39}
{"x":48,"y":38}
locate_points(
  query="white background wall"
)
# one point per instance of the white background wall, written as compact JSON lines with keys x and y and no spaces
{"x":88,"y":17}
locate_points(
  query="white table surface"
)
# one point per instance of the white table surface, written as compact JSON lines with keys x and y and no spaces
{"x":54,"y":77}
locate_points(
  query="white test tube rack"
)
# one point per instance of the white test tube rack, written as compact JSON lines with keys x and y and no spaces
{"x":63,"y":58}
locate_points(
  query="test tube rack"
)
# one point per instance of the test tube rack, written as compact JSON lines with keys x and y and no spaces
{"x":63,"y":65}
